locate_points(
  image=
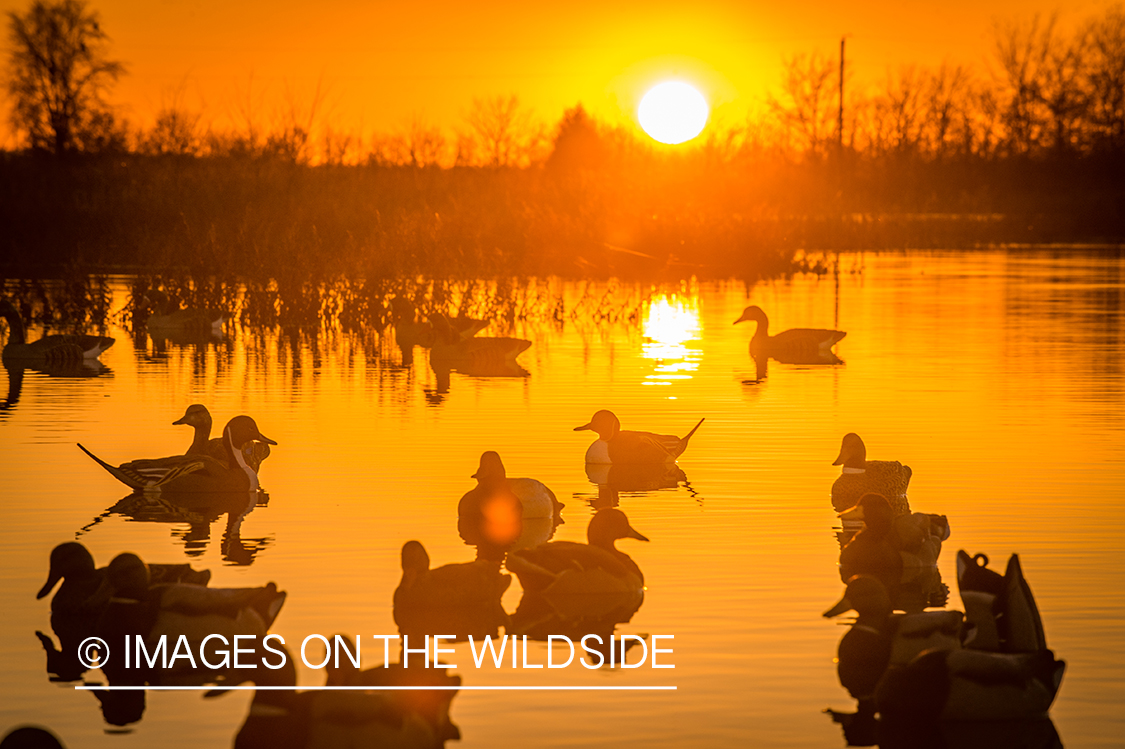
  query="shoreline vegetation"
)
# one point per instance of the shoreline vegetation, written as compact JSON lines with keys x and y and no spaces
{"x":1031,"y":152}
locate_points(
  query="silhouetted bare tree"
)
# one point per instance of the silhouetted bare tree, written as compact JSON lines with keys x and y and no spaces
{"x":59,"y":70}
{"x":503,"y":130}
{"x":806,"y":108}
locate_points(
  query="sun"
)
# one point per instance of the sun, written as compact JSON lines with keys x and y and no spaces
{"x":673,"y":112}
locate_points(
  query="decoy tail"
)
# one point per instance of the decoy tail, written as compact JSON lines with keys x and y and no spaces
{"x":688,"y":435}
{"x":128,"y":478}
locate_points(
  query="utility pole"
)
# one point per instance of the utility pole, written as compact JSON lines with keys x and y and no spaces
{"x":840,"y":118}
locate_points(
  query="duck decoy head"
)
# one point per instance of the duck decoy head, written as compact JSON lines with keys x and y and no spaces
{"x":752,"y":313}
{"x":491,"y":468}
{"x":195,"y":415}
{"x":853,"y":453}
{"x":866,"y":595}
{"x":242,"y":429}
{"x":70,"y":558}
{"x":875,"y":511}
{"x":605,"y":423}
{"x":129,"y":575}
{"x":608,"y":525}
{"x":415,"y":560}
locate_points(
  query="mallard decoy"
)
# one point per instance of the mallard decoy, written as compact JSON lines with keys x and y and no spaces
{"x":85,"y":589}
{"x":802,"y":345}
{"x":880,"y":638}
{"x":873,"y":550}
{"x":597,"y":564}
{"x":150,"y":611}
{"x":861,"y":476}
{"x":616,"y":446}
{"x":198,"y":417}
{"x":50,"y":349}
{"x":168,"y":316}
{"x":459,"y":599}
{"x":195,"y":473}
{"x":536,"y":498}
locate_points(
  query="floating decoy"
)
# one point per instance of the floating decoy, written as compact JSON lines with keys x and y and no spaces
{"x":1000,"y":610}
{"x":168,"y":316}
{"x":802,"y":345}
{"x":616,"y":446}
{"x":50,"y":349}
{"x":195,"y":473}
{"x":861,"y":476}
{"x":458,"y":328}
{"x":873,"y":550}
{"x":85,"y":589}
{"x":198,"y":417}
{"x":459,"y":599}
{"x":596,"y":566}
{"x":478,"y":354}
{"x":536,"y":498}
{"x":140,"y":608}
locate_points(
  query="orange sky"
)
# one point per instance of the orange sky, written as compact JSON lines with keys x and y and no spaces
{"x":385,"y":63}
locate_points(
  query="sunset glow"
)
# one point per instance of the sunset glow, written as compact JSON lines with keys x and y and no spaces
{"x":673,"y":112}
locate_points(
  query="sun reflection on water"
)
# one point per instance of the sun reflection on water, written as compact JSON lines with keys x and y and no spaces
{"x":670,"y":324}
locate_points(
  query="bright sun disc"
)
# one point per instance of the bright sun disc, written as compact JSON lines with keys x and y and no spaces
{"x":673,"y":112}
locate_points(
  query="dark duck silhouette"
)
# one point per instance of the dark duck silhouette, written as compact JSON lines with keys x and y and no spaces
{"x":796,"y":346}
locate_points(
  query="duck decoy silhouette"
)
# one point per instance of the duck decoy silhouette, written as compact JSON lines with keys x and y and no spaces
{"x":199,"y":418}
{"x":50,"y":349}
{"x":85,"y":588}
{"x":140,"y":608}
{"x":796,"y":346}
{"x":873,"y":550}
{"x":616,"y":446}
{"x":491,"y":513}
{"x":459,"y":599}
{"x":167,"y":316}
{"x":861,"y":476}
{"x":536,"y":498}
{"x":195,"y":473}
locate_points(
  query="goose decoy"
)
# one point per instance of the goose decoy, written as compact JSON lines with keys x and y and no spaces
{"x":141,"y":608}
{"x":616,"y":446}
{"x":459,"y":599}
{"x":168,"y":316}
{"x":85,"y":588}
{"x":483,"y":355}
{"x":861,"y":476}
{"x":198,"y":417}
{"x":566,"y":566}
{"x":796,"y":346}
{"x":50,"y":349}
{"x":195,"y":473}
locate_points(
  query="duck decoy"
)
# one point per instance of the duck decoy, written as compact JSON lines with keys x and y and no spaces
{"x":85,"y":588}
{"x":140,"y":608}
{"x":616,"y":446}
{"x":873,"y":550}
{"x":199,"y":418}
{"x":195,"y":473}
{"x":459,"y":599}
{"x":167,"y":316}
{"x":796,"y":346}
{"x":536,"y":498}
{"x":491,"y":513}
{"x":458,"y":328}
{"x":50,"y":349}
{"x":861,"y":476}
{"x":478,"y":355}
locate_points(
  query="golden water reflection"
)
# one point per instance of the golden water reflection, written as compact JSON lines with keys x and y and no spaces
{"x":670,"y":324}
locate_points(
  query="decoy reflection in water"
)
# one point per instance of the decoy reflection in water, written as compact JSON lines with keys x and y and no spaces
{"x":30,"y":737}
{"x":573,"y":588}
{"x":50,"y":349}
{"x":398,"y":719}
{"x":616,"y":446}
{"x":199,"y":418}
{"x":861,"y":476}
{"x":195,"y":473}
{"x":797,"y":346}
{"x":461,"y":599}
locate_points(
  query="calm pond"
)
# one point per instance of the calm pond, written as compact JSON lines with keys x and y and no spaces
{"x":999,"y":378}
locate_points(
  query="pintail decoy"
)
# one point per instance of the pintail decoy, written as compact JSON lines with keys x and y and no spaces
{"x":616,"y":446}
{"x":802,"y":345}
{"x":861,"y":476}
{"x":198,"y":417}
{"x":195,"y":473}
{"x":50,"y":349}
{"x":85,"y":589}
{"x":568,"y":568}
{"x":459,"y":599}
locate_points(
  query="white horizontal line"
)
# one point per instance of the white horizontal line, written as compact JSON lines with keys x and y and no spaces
{"x":533,"y":687}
